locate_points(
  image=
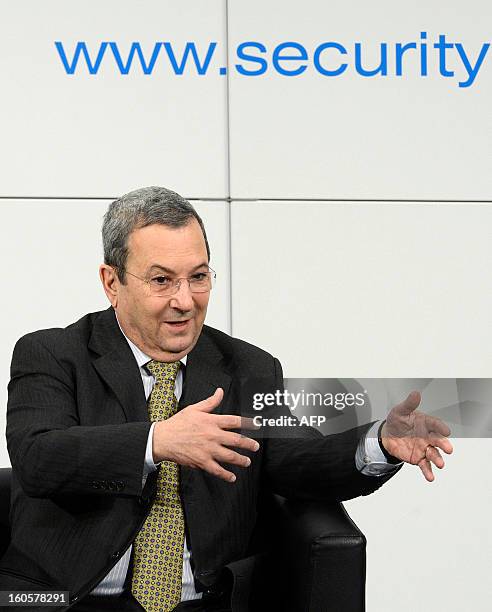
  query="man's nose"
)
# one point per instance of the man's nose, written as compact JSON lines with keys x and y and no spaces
{"x":183,"y":298}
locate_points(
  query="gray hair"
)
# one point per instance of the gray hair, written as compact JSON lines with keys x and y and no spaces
{"x":138,"y":209}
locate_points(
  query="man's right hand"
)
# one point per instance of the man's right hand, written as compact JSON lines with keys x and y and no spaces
{"x":198,"y":439}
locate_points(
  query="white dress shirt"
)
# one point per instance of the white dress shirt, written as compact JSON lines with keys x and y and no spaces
{"x":369,"y":459}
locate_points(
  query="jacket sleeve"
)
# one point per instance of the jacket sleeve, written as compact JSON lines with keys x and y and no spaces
{"x":299,"y":462}
{"x":50,"y":452}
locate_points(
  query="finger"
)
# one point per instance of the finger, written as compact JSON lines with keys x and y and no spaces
{"x":212,"y":467}
{"x":207,"y":405}
{"x":248,"y":423}
{"x":432,"y":454}
{"x":232,"y":421}
{"x":442,"y":443}
{"x":435,"y":424}
{"x":408,"y":405}
{"x":238,"y":440}
{"x":227,"y":455}
{"x":426,"y":468}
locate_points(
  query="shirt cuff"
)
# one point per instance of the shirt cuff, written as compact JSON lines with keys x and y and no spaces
{"x":149,"y":465}
{"x":369,"y":458}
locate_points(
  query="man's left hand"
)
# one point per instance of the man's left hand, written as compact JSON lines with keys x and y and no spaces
{"x":415,"y":437}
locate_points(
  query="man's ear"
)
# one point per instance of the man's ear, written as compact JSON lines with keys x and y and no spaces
{"x":110,"y":283}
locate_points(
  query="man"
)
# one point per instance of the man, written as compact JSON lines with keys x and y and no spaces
{"x":131,"y":501}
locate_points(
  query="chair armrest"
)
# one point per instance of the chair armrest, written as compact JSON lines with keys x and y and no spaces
{"x":324,"y":556}
{"x":5,"y":478}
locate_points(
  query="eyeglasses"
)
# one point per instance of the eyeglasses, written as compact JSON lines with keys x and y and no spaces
{"x":163,"y":286}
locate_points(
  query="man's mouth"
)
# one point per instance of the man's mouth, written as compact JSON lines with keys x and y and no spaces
{"x":177,"y":325}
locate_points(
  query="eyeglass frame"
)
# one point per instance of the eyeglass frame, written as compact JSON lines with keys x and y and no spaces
{"x":176,"y":282}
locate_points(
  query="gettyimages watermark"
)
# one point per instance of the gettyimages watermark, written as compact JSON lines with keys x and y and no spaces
{"x":334,"y":405}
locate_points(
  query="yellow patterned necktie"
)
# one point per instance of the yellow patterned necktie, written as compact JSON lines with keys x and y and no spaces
{"x":158,"y":547}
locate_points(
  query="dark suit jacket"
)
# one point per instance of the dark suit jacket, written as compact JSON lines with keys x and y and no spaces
{"x":77,"y":428}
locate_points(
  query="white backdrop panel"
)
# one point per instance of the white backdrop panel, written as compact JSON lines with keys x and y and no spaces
{"x":51,"y":252}
{"x":428,"y":544}
{"x":365,"y":290}
{"x":352,"y":137}
{"x":100,"y":135}
{"x":384,"y":290}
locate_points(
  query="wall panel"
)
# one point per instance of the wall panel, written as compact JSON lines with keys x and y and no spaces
{"x":384,"y":290}
{"x":410,"y":137}
{"x":103,"y":134}
{"x":354,"y":289}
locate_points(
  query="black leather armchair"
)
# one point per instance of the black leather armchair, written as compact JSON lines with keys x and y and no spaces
{"x":316,"y":563}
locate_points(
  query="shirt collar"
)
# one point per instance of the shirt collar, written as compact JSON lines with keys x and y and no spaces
{"x":140,"y":357}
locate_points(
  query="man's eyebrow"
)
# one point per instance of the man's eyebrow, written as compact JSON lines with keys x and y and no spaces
{"x":158,"y":267}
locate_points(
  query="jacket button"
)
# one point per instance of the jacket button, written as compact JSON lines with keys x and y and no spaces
{"x":116,"y":555}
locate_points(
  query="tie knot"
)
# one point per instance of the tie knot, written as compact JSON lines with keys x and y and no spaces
{"x":163,"y":370}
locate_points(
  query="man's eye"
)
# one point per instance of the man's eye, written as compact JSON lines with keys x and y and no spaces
{"x":160,"y":280}
{"x":199,"y":276}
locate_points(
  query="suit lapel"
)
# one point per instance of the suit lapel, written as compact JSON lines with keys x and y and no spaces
{"x":204,"y":373}
{"x":116,"y":365}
